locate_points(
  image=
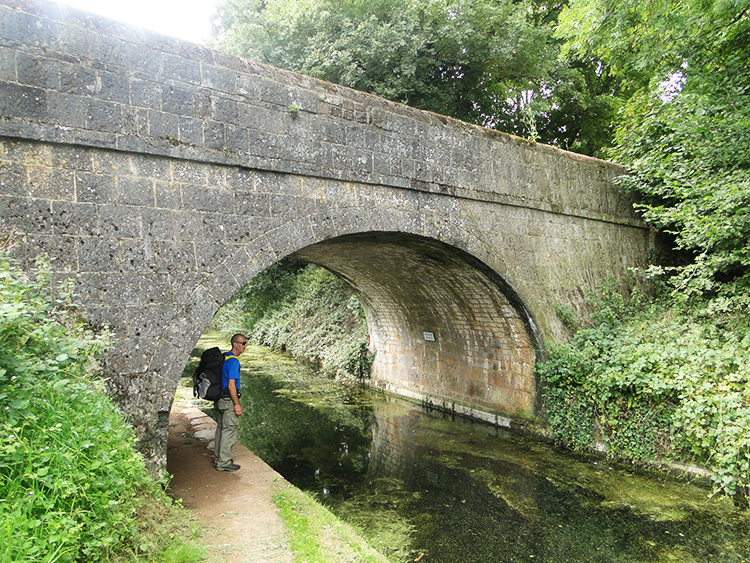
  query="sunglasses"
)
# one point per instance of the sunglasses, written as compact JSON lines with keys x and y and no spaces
{"x":241,"y":343}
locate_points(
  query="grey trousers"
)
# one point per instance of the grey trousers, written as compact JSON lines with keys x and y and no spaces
{"x":226,"y":431}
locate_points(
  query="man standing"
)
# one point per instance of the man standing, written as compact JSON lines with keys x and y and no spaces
{"x":227,"y":408}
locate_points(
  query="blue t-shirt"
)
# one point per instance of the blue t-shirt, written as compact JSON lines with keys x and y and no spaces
{"x":230,"y":370}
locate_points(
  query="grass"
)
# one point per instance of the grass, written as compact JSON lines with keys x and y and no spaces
{"x":317,"y":536}
{"x":169,"y":534}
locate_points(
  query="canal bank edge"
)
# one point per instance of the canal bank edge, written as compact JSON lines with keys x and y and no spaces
{"x":240,"y":522}
{"x":532,"y":427}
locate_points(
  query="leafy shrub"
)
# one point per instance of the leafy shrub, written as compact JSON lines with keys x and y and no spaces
{"x":71,"y":482}
{"x":306,"y":311}
{"x":654,"y":382}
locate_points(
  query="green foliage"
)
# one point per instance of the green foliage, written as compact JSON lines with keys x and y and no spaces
{"x":673,"y":381}
{"x":686,"y":131}
{"x":306,"y":311}
{"x":652,"y":383}
{"x":265,"y":293}
{"x":71,"y":484}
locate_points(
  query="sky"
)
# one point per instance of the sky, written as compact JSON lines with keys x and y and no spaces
{"x":184,"y":19}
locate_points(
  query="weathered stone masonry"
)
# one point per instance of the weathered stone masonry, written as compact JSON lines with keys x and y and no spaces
{"x":161,"y":176}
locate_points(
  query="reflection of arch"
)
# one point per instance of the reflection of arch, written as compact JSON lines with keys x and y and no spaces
{"x":486,"y":342}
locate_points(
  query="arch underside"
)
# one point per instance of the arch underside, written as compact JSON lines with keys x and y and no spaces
{"x":413,"y":289}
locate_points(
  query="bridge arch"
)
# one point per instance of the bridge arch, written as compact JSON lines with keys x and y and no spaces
{"x":445,"y":328}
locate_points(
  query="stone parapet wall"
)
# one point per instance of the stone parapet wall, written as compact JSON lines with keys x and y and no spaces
{"x":68,"y":77}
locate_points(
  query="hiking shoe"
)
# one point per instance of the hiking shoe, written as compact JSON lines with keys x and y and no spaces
{"x":216,"y":463}
{"x":231,"y":467}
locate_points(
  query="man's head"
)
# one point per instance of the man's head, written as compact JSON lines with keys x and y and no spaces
{"x":239,"y":343}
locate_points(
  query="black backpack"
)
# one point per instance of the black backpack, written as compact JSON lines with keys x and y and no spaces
{"x":207,"y":376}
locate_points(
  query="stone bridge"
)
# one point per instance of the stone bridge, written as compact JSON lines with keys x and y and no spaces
{"x":161,"y":176}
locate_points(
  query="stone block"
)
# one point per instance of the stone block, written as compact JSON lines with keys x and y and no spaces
{"x":157,"y":224}
{"x":175,"y":257}
{"x":183,"y":329}
{"x":323,"y":225}
{"x":163,"y":125}
{"x":167,"y":194}
{"x":211,"y":255}
{"x":78,"y":79}
{"x":98,"y":254}
{"x":263,"y":144}
{"x":236,"y":139}
{"x":134,"y":123}
{"x":189,"y":172}
{"x":218,"y":78}
{"x":181,"y":69}
{"x":272,"y":183}
{"x":123,"y":288}
{"x":186,"y":103}
{"x":191,"y":130}
{"x":213,"y":135}
{"x":189,"y":226}
{"x":25,"y":215}
{"x":8,"y":65}
{"x":139,"y":256}
{"x":222,"y":284}
{"x":148,"y":320}
{"x":95,"y":188}
{"x":201,"y":198}
{"x":113,"y":87}
{"x":259,"y":255}
{"x":103,"y":116}
{"x":13,"y":178}
{"x":70,"y":109}
{"x":290,"y":237}
{"x":156,"y":289}
{"x":119,"y":221}
{"x":134,"y":191}
{"x":59,"y":252}
{"x":24,"y":102}
{"x":224,"y":110}
{"x":75,"y":219}
{"x":146,"y":93}
{"x":252,"y":204}
{"x":155,"y":168}
{"x":37,"y":71}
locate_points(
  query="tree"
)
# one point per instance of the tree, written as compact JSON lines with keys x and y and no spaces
{"x":489,"y":62}
{"x":685,"y":132}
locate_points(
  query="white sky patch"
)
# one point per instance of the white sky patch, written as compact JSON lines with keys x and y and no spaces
{"x":185,"y":19}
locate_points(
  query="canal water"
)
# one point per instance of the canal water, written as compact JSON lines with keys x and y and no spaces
{"x":420,"y":483}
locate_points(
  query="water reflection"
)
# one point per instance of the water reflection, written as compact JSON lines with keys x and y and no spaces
{"x":462,"y":492}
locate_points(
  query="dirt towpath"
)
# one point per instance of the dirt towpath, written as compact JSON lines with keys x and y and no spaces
{"x":240,"y":523}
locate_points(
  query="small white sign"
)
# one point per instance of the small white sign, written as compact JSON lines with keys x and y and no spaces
{"x":429,"y":336}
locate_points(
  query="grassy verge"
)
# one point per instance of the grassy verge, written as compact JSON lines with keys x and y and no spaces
{"x":317,"y":536}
